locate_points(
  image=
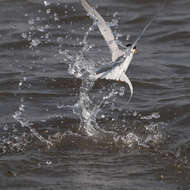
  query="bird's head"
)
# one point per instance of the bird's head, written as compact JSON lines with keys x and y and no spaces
{"x":134,"y":50}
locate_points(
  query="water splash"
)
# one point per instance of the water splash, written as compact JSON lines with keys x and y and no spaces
{"x":105,"y":104}
{"x":87,"y":111}
{"x":85,"y":108}
{"x":155,"y":134}
{"x":81,"y":66}
{"x":19,"y":116}
{"x":88,"y":108}
{"x":46,"y":3}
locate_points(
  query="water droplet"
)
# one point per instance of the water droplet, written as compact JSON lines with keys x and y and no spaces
{"x":46,"y":26}
{"x":5,"y":128}
{"x":21,"y":107}
{"x":35,"y":42}
{"x":128,"y":37}
{"x":60,"y":51}
{"x":20,"y":84}
{"x":48,"y":11}
{"x":48,"y":162}
{"x":47,"y":35}
{"x":155,"y":115}
{"x":60,"y":106}
{"x":73,"y":8}
{"x":55,"y":17}
{"x":24,"y":35}
{"x":40,"y":28}
{"x":31,"y":21}
{"x":122,"y":91}
{"x":134,"y":114}
{"x":115,"y":14}
{"x":151,"y":116}
{"x":46,"y":3}
{"x":103,"y":116}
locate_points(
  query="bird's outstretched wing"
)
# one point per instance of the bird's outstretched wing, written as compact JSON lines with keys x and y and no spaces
{"x":162,"y":5}
{"x":143,"y":31}
{"x":104,"y":29}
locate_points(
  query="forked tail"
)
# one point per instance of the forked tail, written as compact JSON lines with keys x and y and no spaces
{"x":109,"y":75}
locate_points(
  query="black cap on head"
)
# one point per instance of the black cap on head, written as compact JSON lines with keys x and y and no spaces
{"x":129,"y":45}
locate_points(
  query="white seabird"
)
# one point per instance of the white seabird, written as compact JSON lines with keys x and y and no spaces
{"x":120,"y":58}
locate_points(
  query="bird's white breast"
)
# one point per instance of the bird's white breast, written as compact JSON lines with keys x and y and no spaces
{"x":124,"y":66}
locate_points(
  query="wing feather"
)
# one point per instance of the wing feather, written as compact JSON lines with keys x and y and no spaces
{"x":104,"y":29}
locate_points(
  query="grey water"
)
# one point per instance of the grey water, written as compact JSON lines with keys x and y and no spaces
{"x":60,"y":130}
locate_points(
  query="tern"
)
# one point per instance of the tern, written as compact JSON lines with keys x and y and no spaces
{"x":121,"y":59}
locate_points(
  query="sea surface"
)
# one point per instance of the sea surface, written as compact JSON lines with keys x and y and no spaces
{"x":61,"y":130}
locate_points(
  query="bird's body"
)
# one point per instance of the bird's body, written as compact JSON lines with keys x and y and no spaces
{"x":121,"y":59}
{"x":115,"y":71}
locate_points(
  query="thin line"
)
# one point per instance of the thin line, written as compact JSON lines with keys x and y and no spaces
{"x":149,"y":23}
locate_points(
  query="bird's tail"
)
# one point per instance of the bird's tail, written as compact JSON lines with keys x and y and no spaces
{"x":109,"y":75}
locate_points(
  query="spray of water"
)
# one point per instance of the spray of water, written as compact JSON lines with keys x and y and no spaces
{"x":85,"y":107}
{"x":90,"y":108}
{"x":20,"y":118}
